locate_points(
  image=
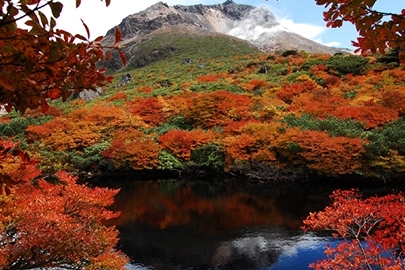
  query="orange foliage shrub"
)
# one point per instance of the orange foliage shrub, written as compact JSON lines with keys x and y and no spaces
{"x":253,"y":143}
{"x":182,"y":142}
{"x":118,"y":96}
{"x":373,"y":115}
{"x":15,"y":166}
{"x":322,"y":153}
{"x":144,"y":89}
{"x":131,"y":148}
{"x":149,"y":109}
{"x":290,"y":91}
{"x":394,"y":100}
{"x":207,"y":78}
{"x":218,"y":109}
{"x":240,"y":147}
{"x":319,"y":104}
{"x":398,"y":74}
{"x":177,"y":104}
{"x":81,"y":128}
{"x":254,"y":84}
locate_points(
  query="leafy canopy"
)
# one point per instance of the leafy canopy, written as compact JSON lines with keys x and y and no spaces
{"x":378,"y":30}
{"x":43,"y":61}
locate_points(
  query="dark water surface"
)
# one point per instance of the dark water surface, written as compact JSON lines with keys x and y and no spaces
{"x":221,"y":224}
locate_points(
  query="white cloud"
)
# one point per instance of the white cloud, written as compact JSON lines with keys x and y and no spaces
{"x":307,"y":30}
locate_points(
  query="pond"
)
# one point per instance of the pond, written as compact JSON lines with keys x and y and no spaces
{"x":221,"y":224}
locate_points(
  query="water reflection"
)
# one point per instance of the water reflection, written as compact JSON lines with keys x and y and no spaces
{"x":176,"y":224}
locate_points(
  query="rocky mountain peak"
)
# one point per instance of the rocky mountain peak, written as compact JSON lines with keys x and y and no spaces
{"x":258,"y":25}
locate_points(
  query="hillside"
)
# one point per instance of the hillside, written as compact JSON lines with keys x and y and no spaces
{"x":278,"y":117}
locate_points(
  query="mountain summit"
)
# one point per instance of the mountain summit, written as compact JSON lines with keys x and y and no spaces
{"x":256,"y":25}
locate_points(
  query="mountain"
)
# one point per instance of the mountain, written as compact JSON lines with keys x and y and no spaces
{"x":153,"y":33}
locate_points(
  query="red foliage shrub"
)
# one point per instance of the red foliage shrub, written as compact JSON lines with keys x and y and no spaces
{"x":207,"y":78}
{"x":290,"y":91}
{"x":370,"y":231}
{"x":134,"y":149}
{"x":218,"y":109}
{"x":118,"y":96}
{"x":373,"y":115}
{"x":149,"y":109}
{"x":182,"y":142}
{"x":394,"y":100}
{"x":322,"y":153}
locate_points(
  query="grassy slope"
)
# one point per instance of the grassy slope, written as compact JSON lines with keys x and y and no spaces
{"x":306,"y":114}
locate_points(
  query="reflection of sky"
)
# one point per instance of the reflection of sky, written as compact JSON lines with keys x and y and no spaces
{"x":295,"y":252}
{"x":292,"y":251}
{"x":299,"y":252}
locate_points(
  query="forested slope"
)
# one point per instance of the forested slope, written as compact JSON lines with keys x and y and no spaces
{"x":279,"y":117}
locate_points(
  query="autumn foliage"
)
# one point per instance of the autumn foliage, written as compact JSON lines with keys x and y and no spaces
{"x":34,"y":213}
{"x":370,"y":231}
{"x":377,"y":30}
{"x":44,"y":62}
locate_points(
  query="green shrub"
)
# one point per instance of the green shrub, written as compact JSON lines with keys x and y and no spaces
{"x":209,"y":155}
{"x":352,"y":64}
{"x":17,"y":126}
{"x":168,"y":161}
{"x":390,"y":136}
{"x":332,"y":125}
{"x":177,"y":122}
{"x":311,"y":63}
{"x":90,"y":157}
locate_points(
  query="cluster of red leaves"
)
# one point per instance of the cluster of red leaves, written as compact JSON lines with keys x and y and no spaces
{"x":15,"y":166}
{"x":377,"y":30}
{"x":394,"y":100}
{"x":290,"y":91}
{"x":34,"y":214}
{"x":371,"y":229}
{"x":44,"y":61}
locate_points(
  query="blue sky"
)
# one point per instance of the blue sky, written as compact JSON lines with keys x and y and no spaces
{"x":301,"y":16}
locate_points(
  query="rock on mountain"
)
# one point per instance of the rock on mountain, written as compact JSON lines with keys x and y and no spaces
{"x":256,"y":25}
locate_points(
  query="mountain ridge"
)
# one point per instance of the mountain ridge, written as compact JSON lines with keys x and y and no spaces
{"x":256,"y":25}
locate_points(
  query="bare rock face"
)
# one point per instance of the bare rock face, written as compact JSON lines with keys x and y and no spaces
{"x":256,"y":25}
